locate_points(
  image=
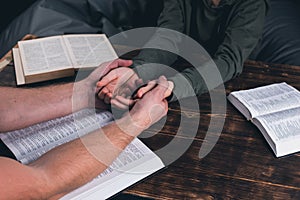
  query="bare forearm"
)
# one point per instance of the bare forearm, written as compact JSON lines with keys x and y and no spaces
{"x":76,"y":163}
{"x":66,"y":167}
{"x":21,"y":107}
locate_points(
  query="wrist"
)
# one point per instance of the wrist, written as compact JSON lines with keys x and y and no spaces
{"x":130,"y":126}
{"x":82,"y":93}
{"x":116,"y":135}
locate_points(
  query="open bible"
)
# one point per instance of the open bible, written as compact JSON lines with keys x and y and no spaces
{"x":136,"y":162}
{"x":275,"y":110}
{"x":59,"y":56}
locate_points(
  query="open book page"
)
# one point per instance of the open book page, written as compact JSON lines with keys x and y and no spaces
{"x":268,"y":99}
{"x":44,"y":55}
{"x":282,"y":127}
{"x":136,"y":162}
{"x":89,"y":50}
{"x":30,"y":143}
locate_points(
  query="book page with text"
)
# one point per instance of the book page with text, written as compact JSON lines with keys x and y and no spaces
{"x":136,"y":162}
{"x":30,"y":143}
{"x":89,"y":50}
{"x":268,"y":99}
{"x":44,"y":55}
{"x":282,"y":125}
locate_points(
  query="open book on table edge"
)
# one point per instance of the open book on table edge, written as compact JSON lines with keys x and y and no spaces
{"x":139,"y":160}
{"x":59,"y":56}
{"x":283,"y":101}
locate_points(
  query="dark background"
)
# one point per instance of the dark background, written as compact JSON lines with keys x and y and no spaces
{"x":12,"y":8}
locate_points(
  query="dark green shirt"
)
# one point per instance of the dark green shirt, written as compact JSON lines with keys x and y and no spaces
{"x":228,"y":32}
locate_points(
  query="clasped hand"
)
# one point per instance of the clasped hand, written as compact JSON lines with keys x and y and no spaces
{"x":117,"y":85}
{"x":122,"y":87}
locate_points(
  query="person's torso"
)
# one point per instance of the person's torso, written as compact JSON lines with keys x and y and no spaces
{"x":205,"y":22}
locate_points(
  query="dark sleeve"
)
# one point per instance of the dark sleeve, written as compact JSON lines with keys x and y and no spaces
{"x":170,"y":18}
{"x":241,"y":36}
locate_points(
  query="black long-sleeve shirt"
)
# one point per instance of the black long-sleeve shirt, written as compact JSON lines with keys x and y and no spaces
{"x":228,"y":32}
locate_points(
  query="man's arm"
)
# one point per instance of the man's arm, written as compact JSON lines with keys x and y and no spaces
{"x":64,"y":168}
{"x":71,"y":165}
{"x":170,"y":18}
{"x":20,"y":107}
{"x":242,"y":34}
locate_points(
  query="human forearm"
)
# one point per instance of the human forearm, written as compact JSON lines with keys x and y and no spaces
{"x":237,"y":40}
{"x":21,"y":107}
{"x":19,"y":181}
{"x":66,"y":167}
{"x":152,"y":63}
{"x":162,"y":48}
{"x":85,"y":158}
{"x":241,"y":36}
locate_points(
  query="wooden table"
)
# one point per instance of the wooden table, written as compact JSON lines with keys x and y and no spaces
{"x":241,"y":164}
